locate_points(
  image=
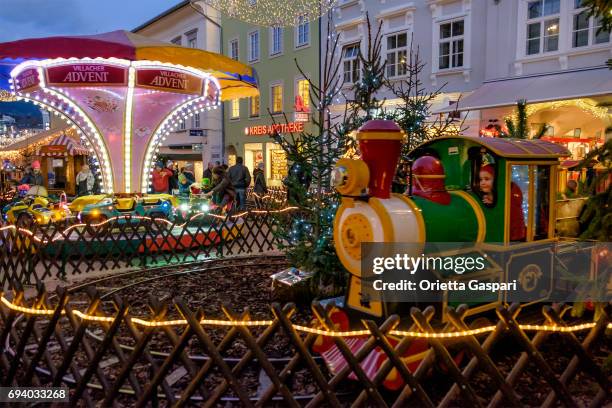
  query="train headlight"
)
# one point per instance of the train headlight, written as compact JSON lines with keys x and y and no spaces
{"x":350,"y":177}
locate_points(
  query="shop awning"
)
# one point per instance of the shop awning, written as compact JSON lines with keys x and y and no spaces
{"x":537,"y":88}
{"x":63,"y":145}
{"x":35,"y":140}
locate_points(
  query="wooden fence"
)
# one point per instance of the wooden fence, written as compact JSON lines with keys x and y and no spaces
{"x":107,"y":356}
{"x":34,"y":254}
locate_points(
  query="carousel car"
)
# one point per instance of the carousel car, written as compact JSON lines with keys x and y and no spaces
{"x":78,"y":204}
{"x":36,"y":207}
{"x":120,"y":207}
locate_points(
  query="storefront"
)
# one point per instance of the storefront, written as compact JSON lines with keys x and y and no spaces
{"x":60,"y":162}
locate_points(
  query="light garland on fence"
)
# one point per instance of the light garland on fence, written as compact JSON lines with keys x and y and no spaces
{"x":328,"y":333}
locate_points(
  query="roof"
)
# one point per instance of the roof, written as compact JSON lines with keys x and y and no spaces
{"x":162,"y":15}
{"x":72,"y":147}
{"x":24,"y":143}
{"x":537,"y":88}
{"x":512,"y":148}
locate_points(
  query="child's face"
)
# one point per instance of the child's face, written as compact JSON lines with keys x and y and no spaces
{"x":486,"y":182}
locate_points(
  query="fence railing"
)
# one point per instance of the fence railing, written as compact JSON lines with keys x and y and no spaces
{"x":38,"y":252}
{"x":108,"y":356}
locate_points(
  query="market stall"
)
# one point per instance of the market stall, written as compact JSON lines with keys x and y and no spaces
{"x":60,"y":162}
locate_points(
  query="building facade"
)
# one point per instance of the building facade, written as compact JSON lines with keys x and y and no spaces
{"x":284,"y":98}
{"x":199,"y":138}
{"x":493,"y":53}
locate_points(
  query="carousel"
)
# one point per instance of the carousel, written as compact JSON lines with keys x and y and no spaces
{"x":123,"y":93}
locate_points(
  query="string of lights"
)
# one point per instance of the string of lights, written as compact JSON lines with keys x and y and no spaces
{"x":328,"y":333}
{"x":272,"y":13}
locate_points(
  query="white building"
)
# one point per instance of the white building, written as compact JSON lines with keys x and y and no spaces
{"x":199,"y":139}
{"x":492,"y":53}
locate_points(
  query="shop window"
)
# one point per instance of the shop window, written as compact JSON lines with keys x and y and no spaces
{"x":518,"y":205}
{"x":254,"y":106}
{"x":350,"y":63}
{"x":234,"y":49}
{"x":235,"y":111}
{"x":542,"y":26}
{"x":397,"y":49}
{"x":450,"y":45}
{"x":303,"y":91}
{"x":542,"y":202}
{"x":277,"y":98}
{"x":176,"y":40}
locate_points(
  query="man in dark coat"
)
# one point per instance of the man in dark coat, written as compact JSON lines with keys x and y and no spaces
{"x":241,"y":179}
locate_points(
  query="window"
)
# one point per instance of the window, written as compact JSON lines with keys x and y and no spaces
{"x":518,"y":202}
{"x":176,"y":41}
{"x":276,"y":40}
{"x":302,"y":32}
{"x":542,"y":26}
{"x":192,"y":39}
{"x":277,"y":98}
{"x":234,"y":49}
{"x":254,"y":106}
{"x":397,"y":49}
{"x":585,"y":29}
{"x":350,"y":63}
{"x":303,"y":91}
{"x":235,"y":111}
{"x":196,"y":121}
{"x":254,"y":46}
{"x":182,"y":124}
{"x":451,"y":45}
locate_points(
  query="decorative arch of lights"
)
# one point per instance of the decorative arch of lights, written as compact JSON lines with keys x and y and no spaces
{"x":124,"y":109}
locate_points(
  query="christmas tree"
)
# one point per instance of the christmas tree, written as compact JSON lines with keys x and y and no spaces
{"x":519,"y":128}
{"x":308,"y":239}
{"x":413,"y":114}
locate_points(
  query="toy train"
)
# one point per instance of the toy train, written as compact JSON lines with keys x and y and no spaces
{"x":496,"y":192}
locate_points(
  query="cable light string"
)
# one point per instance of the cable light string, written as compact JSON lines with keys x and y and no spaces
{"x":328,"y":333}
{"x":62,"y":235}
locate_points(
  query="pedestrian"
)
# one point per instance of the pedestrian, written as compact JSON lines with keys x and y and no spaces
{"x":189,"y":172}
{"x":27,"y":178}
{"x":37,"y":178}
{"x":223,"y":193}
{"x":241,"y":179}
{"x":161,"y":176}
{"x":85,"y":181}
{"x":173,"y":179}
{"x":259,"y":184}
{"x":208,"y":171}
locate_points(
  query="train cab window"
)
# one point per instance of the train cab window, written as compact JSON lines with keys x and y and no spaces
{"x":519,"y":202}
{"x":484,"y":173}
{"x":542,"y":202}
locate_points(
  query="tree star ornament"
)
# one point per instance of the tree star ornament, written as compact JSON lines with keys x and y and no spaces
{"x":273,"y":13}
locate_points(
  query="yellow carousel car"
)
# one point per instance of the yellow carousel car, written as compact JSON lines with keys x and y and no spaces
{"x":36,"y":207}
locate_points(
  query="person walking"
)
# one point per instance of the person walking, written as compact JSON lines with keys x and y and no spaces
{"x":259,"y":184}
{"x":241,"y":179}
{"x":85,"y":181}
{"x":173,"y":178}
{"x":208,"y":171}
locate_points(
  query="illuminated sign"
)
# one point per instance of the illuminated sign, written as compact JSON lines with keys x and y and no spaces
{"x":291,"y":127}
{"x":28,"y":78}
{"x":86,"y":74}
{"x":172,"y":81}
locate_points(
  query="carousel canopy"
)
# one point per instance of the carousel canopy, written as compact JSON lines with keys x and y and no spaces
{"x":237,"y":80}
